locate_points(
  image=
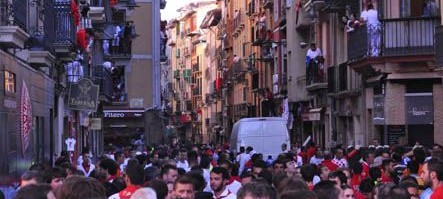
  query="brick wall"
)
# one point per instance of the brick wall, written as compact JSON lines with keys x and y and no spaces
{"x":438,"y":113}
{"x":395,"y":104}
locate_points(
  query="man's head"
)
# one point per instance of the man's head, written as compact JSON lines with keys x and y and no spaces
{"x":55,"y":177}
{"x":31,"y":177}
{"x":86,"y":158}
{"x":256,"y":191}
{"x":258,"y":166}
{"x":319,"y":153}
{"x":369,"y":157}
{"x":327,"y":190}
{"x":225,"y":164}
{"x":339,"y":153}
{"x":313,"y":46}
{"x":324,"y":172}
{"x":184,"y":188}
{"x":388,"y":166}
{"x":119,"y":158}
{"x":278,"y":166}
{"x":169,"y":173}
{"x":308,"y":172}
{"x":35,"y":191}
{"x":432,"y":172}
{"x":284,"y":147}
{"x":135,"y":174}
{"x":246,"y":178}
{"x":338,"y":177}
{"x":182,"y":155}
{"x":218,"y":178}
{"x":249,"y":149}
{"x":109,"y":166}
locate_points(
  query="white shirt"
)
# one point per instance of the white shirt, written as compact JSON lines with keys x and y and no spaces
{"x":227,"y":194}
{"x":316,"y":161}
{"x":70,"y":144}
{"x":371,"y":17}
{"x":342,"y":163}
{"x":313,"y":54}
{"x":234,"y":186}
{"x":82,"y":169}
{"x":242,"y":159}
{"x":184,"y":165}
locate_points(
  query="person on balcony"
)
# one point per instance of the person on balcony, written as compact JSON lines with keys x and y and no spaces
{"x":430,"y":9}
{"x":370,"y":19}
{"x":313,"y":58}
{"x":116,"y":40}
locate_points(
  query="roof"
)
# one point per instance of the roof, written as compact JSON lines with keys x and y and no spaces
{"x":212,"y":18}
{"x":261,"y":119}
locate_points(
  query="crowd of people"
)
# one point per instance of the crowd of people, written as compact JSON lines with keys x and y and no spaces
{"x":217,"y":172}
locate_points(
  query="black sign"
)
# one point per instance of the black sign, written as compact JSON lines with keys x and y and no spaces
{"x":122,"y":114}
{"x":83,"y":95}
{"x":379,"y":110}
{"x":419,"y":109}
{"x":395,"y":132}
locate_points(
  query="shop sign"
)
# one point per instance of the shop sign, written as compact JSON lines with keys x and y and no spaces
{"x":395,"y":133}
{"x":25,"y":118}
{"x":95,"y":124}
{"x":379,"y":110}
{"x":419,"y":109}
{"x":123,"y":114}
{"x":83,"y":95}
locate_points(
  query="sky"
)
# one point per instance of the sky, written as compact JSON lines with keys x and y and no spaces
{"x":170,"y":11}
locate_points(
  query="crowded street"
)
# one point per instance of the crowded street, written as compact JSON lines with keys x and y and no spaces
{"x":221,"y":99}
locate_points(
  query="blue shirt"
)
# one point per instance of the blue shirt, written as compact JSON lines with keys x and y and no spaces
{"x":426,"y":194}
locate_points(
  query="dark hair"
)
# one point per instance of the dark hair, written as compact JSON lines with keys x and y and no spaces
{"x":370,"y":6}
{"x":242,"y":149}
{"x":165,"y":169}
{"x":205,"y":161}
{"x":399,"y":193}
{"x":28,"y":175}
{"x":36,"y":191}
{"x":247,"y":175}
{"x":199,"y":180}
{"x":184,"y":179}
{"x":266,"y":175}
{"x":259,"y":164}
{"x":357,"y":168}
{"x":55,"y":172}
{"x":221,"y":170}
{"x":374,"y":173}
{"x":109,"y":165}
{"x":308,"y":172}
{"x":326,"y":190}
{"x":81,"y":187}
{"x":160,"y":188}
{"x":435,"y":165}
{"x":366,"y":186}
{"x":408,"y":184}
{"x":408,"y":179}
{"x":305,"y":194}
{"x":249,"y":148}
{"x":292,"y":184}
{"x":136,"y":173}
{"x":257,"y":190}
{"x":340,"y":175}
{"x":413,"y":166}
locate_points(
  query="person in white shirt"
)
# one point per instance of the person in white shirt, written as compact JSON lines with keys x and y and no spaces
{"x":219,"y":178}
{"x":314,"y":58}
{"x":370,"y":19}
{"x":232,"y":184}
{"x":242,"y":159}
{"x":182,"y":161}
{"x":318,"y":158}
{"x":339,"y":159}
{"x":86,"y":167}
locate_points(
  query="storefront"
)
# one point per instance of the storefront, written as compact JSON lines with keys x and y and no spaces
{"x":26,"y":116}
{"x":122,"y":127}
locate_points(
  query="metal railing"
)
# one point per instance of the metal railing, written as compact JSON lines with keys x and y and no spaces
{"x":14,"y":13}
{"x":331,"y":79}
{"x":102,"y":77}
{"x":348,"y":79}
{"x":409,"y":36}
{"x":315,"y":73}
{"x":64,"y":23}
{"x":49,"y":25}
{"x":395,"y":37}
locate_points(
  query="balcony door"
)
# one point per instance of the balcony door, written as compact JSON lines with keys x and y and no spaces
{"x":412,"y":8}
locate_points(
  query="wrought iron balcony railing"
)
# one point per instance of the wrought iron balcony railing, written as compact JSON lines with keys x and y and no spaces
{"x":13,"y":13}
{"x":395,"y":37}
{"x":64,"y":24}
{"x":102,"y":77}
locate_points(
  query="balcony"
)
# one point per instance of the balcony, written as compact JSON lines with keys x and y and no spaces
{"x":403,"y":38}
{"x":315,"y":77}
{"x":348,"y":81}
{"x":238,"y":23}
{"x":187,"y":74}
{"x":196,"y":91}
{"x":186,"y":52}
{"x":195,"y":68}
{"x":65,"y":30}
{"x":13,"y":24}
{"x":102,"y":77}
{"x":120,"y":47}
{"x":238,"y":71}
{"x":177,"y":74}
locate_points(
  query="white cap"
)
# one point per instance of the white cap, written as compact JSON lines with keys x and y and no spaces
{"x":371,"y":146}
{"x":138,"y":153}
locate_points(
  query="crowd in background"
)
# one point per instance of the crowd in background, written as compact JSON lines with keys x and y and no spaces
{"x":217,"y":172}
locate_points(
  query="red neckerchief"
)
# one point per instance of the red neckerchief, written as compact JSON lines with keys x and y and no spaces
{"x":86,"y":167}
{"x":127,"y":193}
{"x":111,"y":178}
{"x":231,"y":180}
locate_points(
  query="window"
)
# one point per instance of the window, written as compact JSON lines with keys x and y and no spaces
{"x":10,"y":82}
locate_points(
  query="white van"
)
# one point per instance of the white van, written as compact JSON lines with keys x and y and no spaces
{"x":264,"y":134}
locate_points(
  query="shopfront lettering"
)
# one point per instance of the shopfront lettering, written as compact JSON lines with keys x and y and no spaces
{"x":114,"y":115}
{"x":85,"y":103}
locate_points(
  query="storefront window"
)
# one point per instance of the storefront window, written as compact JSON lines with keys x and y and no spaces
{"x":10,"y":82}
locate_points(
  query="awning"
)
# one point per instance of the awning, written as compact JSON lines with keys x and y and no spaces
{"x":315,"y":114}
{"x":416,"y":76}
{"x":374,"y":79}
